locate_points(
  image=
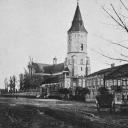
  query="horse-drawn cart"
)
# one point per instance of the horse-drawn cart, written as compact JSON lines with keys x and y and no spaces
{"x":105,"y":101}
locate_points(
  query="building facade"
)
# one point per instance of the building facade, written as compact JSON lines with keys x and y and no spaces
{"x":77,"y":60}
{"x":113,"y":78}
{"x":75,"y":70}
{"x":76,"y":66}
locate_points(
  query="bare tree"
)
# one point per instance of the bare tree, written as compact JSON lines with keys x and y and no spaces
{"x":111,"y":58}
{"x":21,"y":81}
{"x":121,"y":20}
{"x":12,"y":83}
{"x":6,"y":84}
{"x":117,"y":17}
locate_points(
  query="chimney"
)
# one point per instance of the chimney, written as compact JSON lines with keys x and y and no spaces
{"x":54,"y":60}
{"x":112,"y":65}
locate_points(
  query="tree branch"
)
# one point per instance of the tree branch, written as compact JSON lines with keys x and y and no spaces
{"x":113,"y":18}
{"x":114,"y":42}
{"x":124,"y":5}
{"x":112,"y":58}
{"x":123,"y":24}
{"x":124,"y":55}
{"x":119,"y":45}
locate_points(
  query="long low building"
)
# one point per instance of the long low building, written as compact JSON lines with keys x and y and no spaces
{"x":58,"y":77}
{"x":116,"y":76}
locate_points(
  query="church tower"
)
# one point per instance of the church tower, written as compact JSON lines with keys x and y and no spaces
{"x":77,"y":60}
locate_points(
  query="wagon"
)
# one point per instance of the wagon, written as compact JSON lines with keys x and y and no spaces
{"x":105,"y":101}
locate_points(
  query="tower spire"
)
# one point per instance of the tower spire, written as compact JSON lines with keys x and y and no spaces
{"x":77,"y":23}
{"x":77,"y":2}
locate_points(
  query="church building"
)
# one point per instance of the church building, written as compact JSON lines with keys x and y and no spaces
{"x":71,"y":73}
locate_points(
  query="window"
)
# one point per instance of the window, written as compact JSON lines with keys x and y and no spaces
{"x":102,"y":82}
{"x":98,"y":81}
{"x":124,"y":82}
{"x":94,"y":82}
{"x":81,"y":47}
{"x":119,"y":82}
{"x":115,"y":82}
{"x":81,"y":68}
{"x":81,"y":61}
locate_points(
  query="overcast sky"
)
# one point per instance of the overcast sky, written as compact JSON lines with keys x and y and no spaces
{"x":38,"y":28}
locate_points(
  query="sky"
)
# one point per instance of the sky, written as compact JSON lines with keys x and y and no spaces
{"x":38,"y":29}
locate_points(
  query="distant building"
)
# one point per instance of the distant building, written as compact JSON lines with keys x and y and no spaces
{"x":72,"y":71}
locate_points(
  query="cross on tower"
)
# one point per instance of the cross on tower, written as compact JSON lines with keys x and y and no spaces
{"x":77,"y":2}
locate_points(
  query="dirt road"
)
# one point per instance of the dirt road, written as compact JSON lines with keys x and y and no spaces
{"x":67,"y":113}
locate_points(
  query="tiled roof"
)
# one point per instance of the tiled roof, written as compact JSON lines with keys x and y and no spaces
{"x":122,"y":71}
{"x":49,"y":69}
{"x":106,"y":72}
{"x":39,"y":67}
{"x":66,"y":69}
{"x":53,"y":79}
{"x":54,"y":68}
{"x":77,"y":23}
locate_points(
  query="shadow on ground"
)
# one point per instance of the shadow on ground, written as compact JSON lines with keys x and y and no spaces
{"x":23,"y":116}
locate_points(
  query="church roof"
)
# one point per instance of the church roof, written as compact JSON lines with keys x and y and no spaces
{"x":39,"y":67}
{"x":77,"y":23}
{"x":49,"y":69}
{"x":52,"y":79}
{"x":55,"y":68}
